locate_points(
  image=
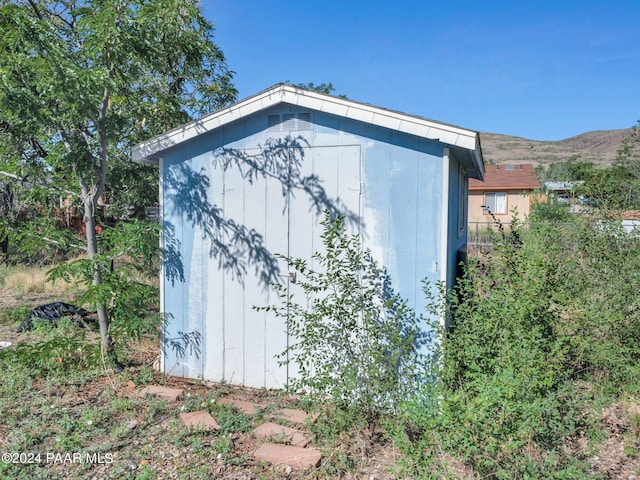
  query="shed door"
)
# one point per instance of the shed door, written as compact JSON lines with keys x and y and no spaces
{"x":245,"y":342}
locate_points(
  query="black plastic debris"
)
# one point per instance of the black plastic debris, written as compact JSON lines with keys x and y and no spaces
{"x":52,"y":312}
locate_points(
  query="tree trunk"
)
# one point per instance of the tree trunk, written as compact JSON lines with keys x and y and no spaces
{"x":92,"y":250}
{"x":6,"y":207}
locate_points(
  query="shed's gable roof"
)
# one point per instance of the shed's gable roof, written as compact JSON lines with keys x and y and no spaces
{"x":465,"y":142}
{"x":507,"y":177}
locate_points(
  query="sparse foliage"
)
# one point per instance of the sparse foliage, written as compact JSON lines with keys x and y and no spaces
{"x":613,"y":187}
{"x":323,"y":87}
{"x":355,"y":341}
{"x":129,"y":259}
{"x":82,"y":82}
{"x":532,"y":324}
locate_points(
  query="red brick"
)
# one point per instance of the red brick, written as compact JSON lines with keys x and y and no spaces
{"x":272,"y":431}
{"x":294,"y":416}
{"x":248,"y":408}
{"x":169,"y":394}
{"x":288,"y":455}
{"x":200,"y":420}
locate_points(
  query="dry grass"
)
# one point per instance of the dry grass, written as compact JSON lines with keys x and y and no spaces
{"x":145,"y":280}
{"x":33,"y":279}
{"x":23,"y":280}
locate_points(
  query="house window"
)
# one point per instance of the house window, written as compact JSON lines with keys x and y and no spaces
{"x":495,"y":202}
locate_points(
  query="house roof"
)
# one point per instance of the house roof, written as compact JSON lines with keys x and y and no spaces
{"x":507,"y":177}
{"x":465,"y":143}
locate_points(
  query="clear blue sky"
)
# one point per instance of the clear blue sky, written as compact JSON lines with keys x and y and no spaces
{"x":544,"y":70}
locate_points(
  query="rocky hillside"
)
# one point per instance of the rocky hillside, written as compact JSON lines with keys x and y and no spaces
{"x":599,"y":146}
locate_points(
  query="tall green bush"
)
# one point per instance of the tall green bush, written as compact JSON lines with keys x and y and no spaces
{"x":506,"y":403}
{"x":601,"y":305}
{"x":355,"y":342}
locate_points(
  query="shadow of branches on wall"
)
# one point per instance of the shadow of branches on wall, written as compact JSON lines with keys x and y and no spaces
{"x":237,"y":248}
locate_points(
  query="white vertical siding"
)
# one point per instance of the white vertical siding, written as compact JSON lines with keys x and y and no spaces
{"x":214,"y":330}
{"x":254,"y":322}
{"x":396,"y":186}
{"x":274,"y":333}
{"x":444,"y":220}
{"x":233,"y":303}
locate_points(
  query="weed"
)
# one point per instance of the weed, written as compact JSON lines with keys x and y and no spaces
{"x":14,"y":315}
{"x":357,"y":343}
{"x":230,"y":419}
{"x":333,"y":422}
{"x":631,"y":452}
{"x":507,"y":395}
{"x":145,"y":472}
{"x":336,"y":462}
{"x":55,"y":355}
{"x":145,"y":376}
{"x":193,"y":402}
{"x":223,"y":446}
{"x":634,"y":418}
{"x":23,"y":280}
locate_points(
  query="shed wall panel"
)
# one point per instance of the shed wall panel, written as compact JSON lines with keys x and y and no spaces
{"x":254,"y":293}
{"x":233,"y":284}
{"x":214,"y":329}
{"x":179,"y":232}
{"x":427,"y":236}
{"x":276,"y":241}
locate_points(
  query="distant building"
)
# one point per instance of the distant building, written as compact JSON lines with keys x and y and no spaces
{"x":561,"y":192}
{"x":505,"y":187}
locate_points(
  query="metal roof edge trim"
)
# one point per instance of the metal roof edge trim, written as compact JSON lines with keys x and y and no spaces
{"x":283,"y":93}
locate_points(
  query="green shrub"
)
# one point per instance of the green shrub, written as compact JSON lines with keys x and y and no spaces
{"x":355,"y":341}
{"x":14,"y":315}
{"x":505,"y":398}
{"x":54,"y":355}
{"x":550,"y":212}
{"x":129,"y":258}
{"x":601,"y":305}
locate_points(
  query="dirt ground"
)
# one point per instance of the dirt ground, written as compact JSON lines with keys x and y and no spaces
{"x":376,"y":457}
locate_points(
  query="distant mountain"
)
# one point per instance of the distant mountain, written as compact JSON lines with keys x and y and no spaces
{"x":600,"y":146}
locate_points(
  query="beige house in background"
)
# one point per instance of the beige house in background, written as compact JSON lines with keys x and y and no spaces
{"x":505,"y":187}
